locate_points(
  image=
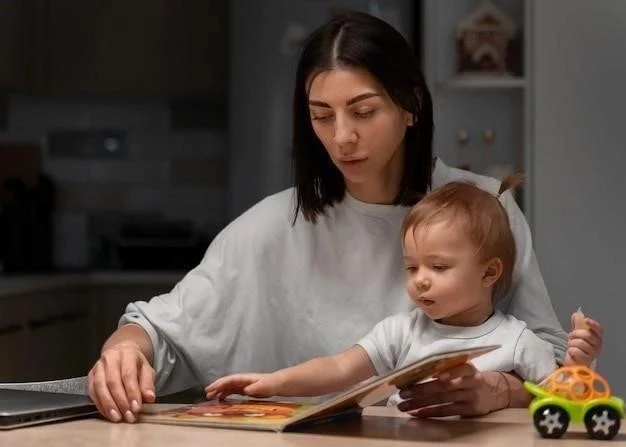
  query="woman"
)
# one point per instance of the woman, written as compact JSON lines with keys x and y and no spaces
{"x":308,"y":271}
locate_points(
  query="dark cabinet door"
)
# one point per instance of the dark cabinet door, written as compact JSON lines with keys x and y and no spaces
{"x":168,"y":48}
{"x":46,"y":335}
{"x":17,"y":44}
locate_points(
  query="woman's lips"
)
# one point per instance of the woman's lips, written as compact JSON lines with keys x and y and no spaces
{"x":352,"y":163}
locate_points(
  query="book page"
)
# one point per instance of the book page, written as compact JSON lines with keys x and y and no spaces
{"x":243,"y":413}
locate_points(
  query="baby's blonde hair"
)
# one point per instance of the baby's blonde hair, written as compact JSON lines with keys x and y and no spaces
{"x":480,"y":214}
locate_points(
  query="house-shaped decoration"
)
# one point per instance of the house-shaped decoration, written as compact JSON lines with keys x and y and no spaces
{"x":483,"y":40}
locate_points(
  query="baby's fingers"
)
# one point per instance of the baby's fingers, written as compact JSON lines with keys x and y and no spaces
{"x":588,"y":336}
{"x":595,"y":327}
{"x":229,"y":385}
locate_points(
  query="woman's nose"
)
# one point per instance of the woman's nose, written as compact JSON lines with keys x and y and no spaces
{"x":344,"y":133}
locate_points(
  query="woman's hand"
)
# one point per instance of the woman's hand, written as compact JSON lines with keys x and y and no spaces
{"x":250,"y":384}
{"x":461,"y":390}
{"x":584,"y":342}
{"x":120,"y":381}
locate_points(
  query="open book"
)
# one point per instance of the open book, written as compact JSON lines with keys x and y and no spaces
{"x":280,"y":416}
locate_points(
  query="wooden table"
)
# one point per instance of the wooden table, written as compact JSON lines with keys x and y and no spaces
{"x":379,"y":426}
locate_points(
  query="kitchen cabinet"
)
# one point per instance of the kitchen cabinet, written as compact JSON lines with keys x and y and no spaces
{"x":17,"y":32}
{"x":57,"y":338}
{"x":45,"y":335}
{"x":12,"y":338}
{"x":58,"y":333}
{"x":144,"y":47}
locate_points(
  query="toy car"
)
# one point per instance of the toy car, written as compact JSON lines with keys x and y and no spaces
{"x":577,"y":394}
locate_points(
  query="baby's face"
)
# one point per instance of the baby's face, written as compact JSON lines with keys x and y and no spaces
{"x":445,"y":275}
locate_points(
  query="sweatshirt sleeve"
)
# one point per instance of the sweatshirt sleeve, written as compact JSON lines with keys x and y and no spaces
{"x":385,"y":342}
{"x":534,"y":358}
{"x":174,"y":321}
{"x":528,"y":299}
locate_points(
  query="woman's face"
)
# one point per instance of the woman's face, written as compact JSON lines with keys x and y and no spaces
{"x":361,"y":128}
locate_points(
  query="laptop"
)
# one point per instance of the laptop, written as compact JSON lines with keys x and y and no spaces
{"x":20,"y":408}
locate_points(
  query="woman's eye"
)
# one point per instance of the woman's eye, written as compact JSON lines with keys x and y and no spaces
{"x":364,"y":113}
{"x":320,"y":118}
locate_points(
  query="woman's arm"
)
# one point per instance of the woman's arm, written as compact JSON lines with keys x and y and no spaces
{"x":322,"y":375}
{"x":132,"y":335}
{"x":508,"y":390}
{"x":528,"y":300}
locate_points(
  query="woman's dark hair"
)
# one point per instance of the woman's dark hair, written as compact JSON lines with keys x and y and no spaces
{"x":359,"y":40}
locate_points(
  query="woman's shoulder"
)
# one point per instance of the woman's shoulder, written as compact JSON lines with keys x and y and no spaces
{"x":443,"y":174}
{"x":271,"y":215}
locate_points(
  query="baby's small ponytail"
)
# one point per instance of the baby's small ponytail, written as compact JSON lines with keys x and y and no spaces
{"x":511,"y":181}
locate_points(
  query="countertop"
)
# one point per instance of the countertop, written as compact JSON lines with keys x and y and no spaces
{"x":379,"y":426}
{"x":11,"y":285}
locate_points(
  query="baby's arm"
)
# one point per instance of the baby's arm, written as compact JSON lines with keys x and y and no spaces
{"x":315,"y":377}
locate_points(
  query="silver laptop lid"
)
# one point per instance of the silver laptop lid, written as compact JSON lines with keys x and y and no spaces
{"x":19,"y":407}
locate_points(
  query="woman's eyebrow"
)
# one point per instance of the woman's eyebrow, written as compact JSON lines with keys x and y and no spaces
{"x":349,"y":102}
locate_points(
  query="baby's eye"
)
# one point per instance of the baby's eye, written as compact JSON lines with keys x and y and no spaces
{"x":440,"y":267}
{"x":411,"y":269}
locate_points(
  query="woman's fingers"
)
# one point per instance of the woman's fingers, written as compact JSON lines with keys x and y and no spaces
{"x":452,"y":409}
{"x":463,"y":370}
{"x":446,"y":397}
{"x":461,"y":390}
{"x":129,"y":375}
{"x":101,"y":396}
{"x":114,"y":383}
{"x":93,"y":395}
{"x":447,"y":380}
{"x":146,"y":382}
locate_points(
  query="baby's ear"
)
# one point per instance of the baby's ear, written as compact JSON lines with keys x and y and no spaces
{"x":493,"y":272}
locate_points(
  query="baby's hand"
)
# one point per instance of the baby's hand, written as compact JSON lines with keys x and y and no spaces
{"x":250,"y":384}
{"x":584,"y":342}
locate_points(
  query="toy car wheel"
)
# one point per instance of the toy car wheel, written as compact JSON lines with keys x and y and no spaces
{"x":551,"y":421}
{"x":602,"y":422}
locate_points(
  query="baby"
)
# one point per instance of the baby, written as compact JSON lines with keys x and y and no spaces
{"x":459,"y":254}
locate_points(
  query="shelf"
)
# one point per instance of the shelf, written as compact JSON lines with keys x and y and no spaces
{"x":485,"y":82}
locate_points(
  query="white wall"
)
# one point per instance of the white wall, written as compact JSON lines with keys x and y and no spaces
{"x":578,"y":164}
{"x":471,"y":109}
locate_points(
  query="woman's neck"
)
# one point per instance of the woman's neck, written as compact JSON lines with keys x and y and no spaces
{"x":369,"y":193}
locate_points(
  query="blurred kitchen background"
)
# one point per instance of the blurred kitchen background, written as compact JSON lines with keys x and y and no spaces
{"x":133,"y":131}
